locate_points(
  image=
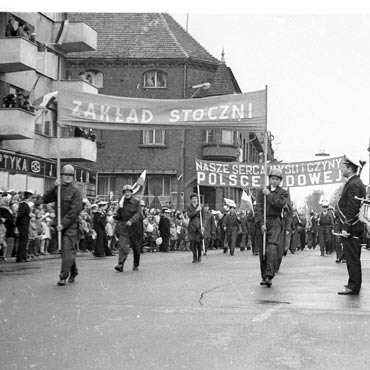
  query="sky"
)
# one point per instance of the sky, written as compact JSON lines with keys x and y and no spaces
{"x":314,"y":58}
{"x":317,"y":70}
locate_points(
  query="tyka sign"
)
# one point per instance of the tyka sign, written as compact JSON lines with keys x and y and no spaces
{"x":242,"y":175}
{"x":20,"y":163}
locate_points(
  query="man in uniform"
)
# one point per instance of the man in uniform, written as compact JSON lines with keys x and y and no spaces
{"x":231,"y":227}
{"x":71,"y":207}
{"x":276,"y":198}
{"x":195,"y":232}
{"x":326,"y":225}
{"x":348,"y":210}
{"x":128,"y":228}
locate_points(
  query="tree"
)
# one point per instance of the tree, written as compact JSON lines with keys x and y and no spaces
{"x":312,"y":201}
{"x":336,"y":195}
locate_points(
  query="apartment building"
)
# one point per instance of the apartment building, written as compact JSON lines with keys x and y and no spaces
{"x":33,"y":52}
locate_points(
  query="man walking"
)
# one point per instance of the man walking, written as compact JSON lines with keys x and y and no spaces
{"x":71,"y":207}
{"x":128,"y":228}
{"x":276,"y":198}
{"x":348,"y":210}
{"x":195,"y":232}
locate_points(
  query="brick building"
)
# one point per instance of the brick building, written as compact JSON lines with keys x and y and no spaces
{"x":149,"y":55}
{"x":32,"y":64}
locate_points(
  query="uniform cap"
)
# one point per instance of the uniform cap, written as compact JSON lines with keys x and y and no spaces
{"x":354,"y":161}
{"x":29,"y":191}
{"x":102,"y":203}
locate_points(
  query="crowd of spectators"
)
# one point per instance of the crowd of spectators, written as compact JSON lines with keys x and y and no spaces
{"x":17,"y":101}
{"x":163,"y":230}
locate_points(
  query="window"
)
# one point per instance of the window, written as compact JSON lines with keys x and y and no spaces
{"x":210,"y":136}
{"x":227,"y":137}
{"x":155,"y":79}
{"x":95,"y":78}
{"x":153,"y":137}
{"x":46,"y":123}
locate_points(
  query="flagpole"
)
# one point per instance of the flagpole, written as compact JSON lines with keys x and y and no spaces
{"x":265,"y":167}
{"x":201,"y":221}
{"x":59,"y":182}
{"x":59,"y":195}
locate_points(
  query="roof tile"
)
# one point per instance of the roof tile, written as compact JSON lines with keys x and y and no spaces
{"x":140,"y":36}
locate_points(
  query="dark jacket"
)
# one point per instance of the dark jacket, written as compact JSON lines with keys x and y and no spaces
{"x":23,"y":214}
{"x":71,"y":203}
{"x":348,"y":206}
{"x":131,"y":211}
{"x":276,"y":201}
{"x":164,"y":227}
{"x":231,"y":222}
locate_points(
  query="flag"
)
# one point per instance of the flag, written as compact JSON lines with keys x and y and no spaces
{"x":139,"y":184}
{"x":230,"y":202}
{"x":137,"y":189}
{"x":43,"y":102}
{"x":289,"y":201}
{"x":246,"y":203}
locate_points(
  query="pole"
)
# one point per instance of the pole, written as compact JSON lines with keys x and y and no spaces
{"x":59,"y":184}
{"x":265,"y":168}
{"x":201,"y":221}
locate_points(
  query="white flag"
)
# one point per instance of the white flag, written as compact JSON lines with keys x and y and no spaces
{"x":230,"y":202}
{"x":246,"y":203}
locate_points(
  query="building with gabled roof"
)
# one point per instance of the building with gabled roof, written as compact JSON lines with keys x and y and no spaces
{"x":149,"y":55}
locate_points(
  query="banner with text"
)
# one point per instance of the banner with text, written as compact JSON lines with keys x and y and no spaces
{"x":237,"y":111}
{"x":251,"y":175}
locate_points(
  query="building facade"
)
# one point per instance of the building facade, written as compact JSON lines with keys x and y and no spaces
{"x":149,"y":55}
{"x":33,"y":51}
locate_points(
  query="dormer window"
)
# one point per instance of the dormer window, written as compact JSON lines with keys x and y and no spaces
{"x":95,"y":78}
{"x":155,"y":79}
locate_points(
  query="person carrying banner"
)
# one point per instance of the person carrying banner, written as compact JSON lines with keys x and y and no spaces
{"x":195,"y":232}
{"x":276,"y":198}
{"x":128,"y":216}
{"x":71,"y":207}
{"x":348,"y":208}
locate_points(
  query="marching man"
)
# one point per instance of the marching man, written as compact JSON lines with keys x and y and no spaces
{"x":276,"y":198}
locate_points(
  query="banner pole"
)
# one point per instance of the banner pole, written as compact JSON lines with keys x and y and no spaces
{"x":59,"y":184}
{"x":265,"y":167}
{"x":201,"y":221}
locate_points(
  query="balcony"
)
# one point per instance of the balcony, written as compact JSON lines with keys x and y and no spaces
{"x":73,"y":149}
{"x":76,"y":37}
{"x":17,"y":54}
{"x":220,"y":152}
{"x":74,"y":85}
{"x":16,"y":124}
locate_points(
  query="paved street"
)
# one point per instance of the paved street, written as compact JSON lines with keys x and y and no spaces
{"x":173,"y":314}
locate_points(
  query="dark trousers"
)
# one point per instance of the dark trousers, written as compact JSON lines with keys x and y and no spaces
{"x":269,"y":262}
{"x":352,"y":255}
{"x":196,"y":248}
{"x":253,"y":240}
{"x":231,"y":235}
{"x":69,"y":249}
{"x":22,"y":242}
{"x":302,"y":236}
{"x":165,"y":246}
{"x":125,"y":241}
